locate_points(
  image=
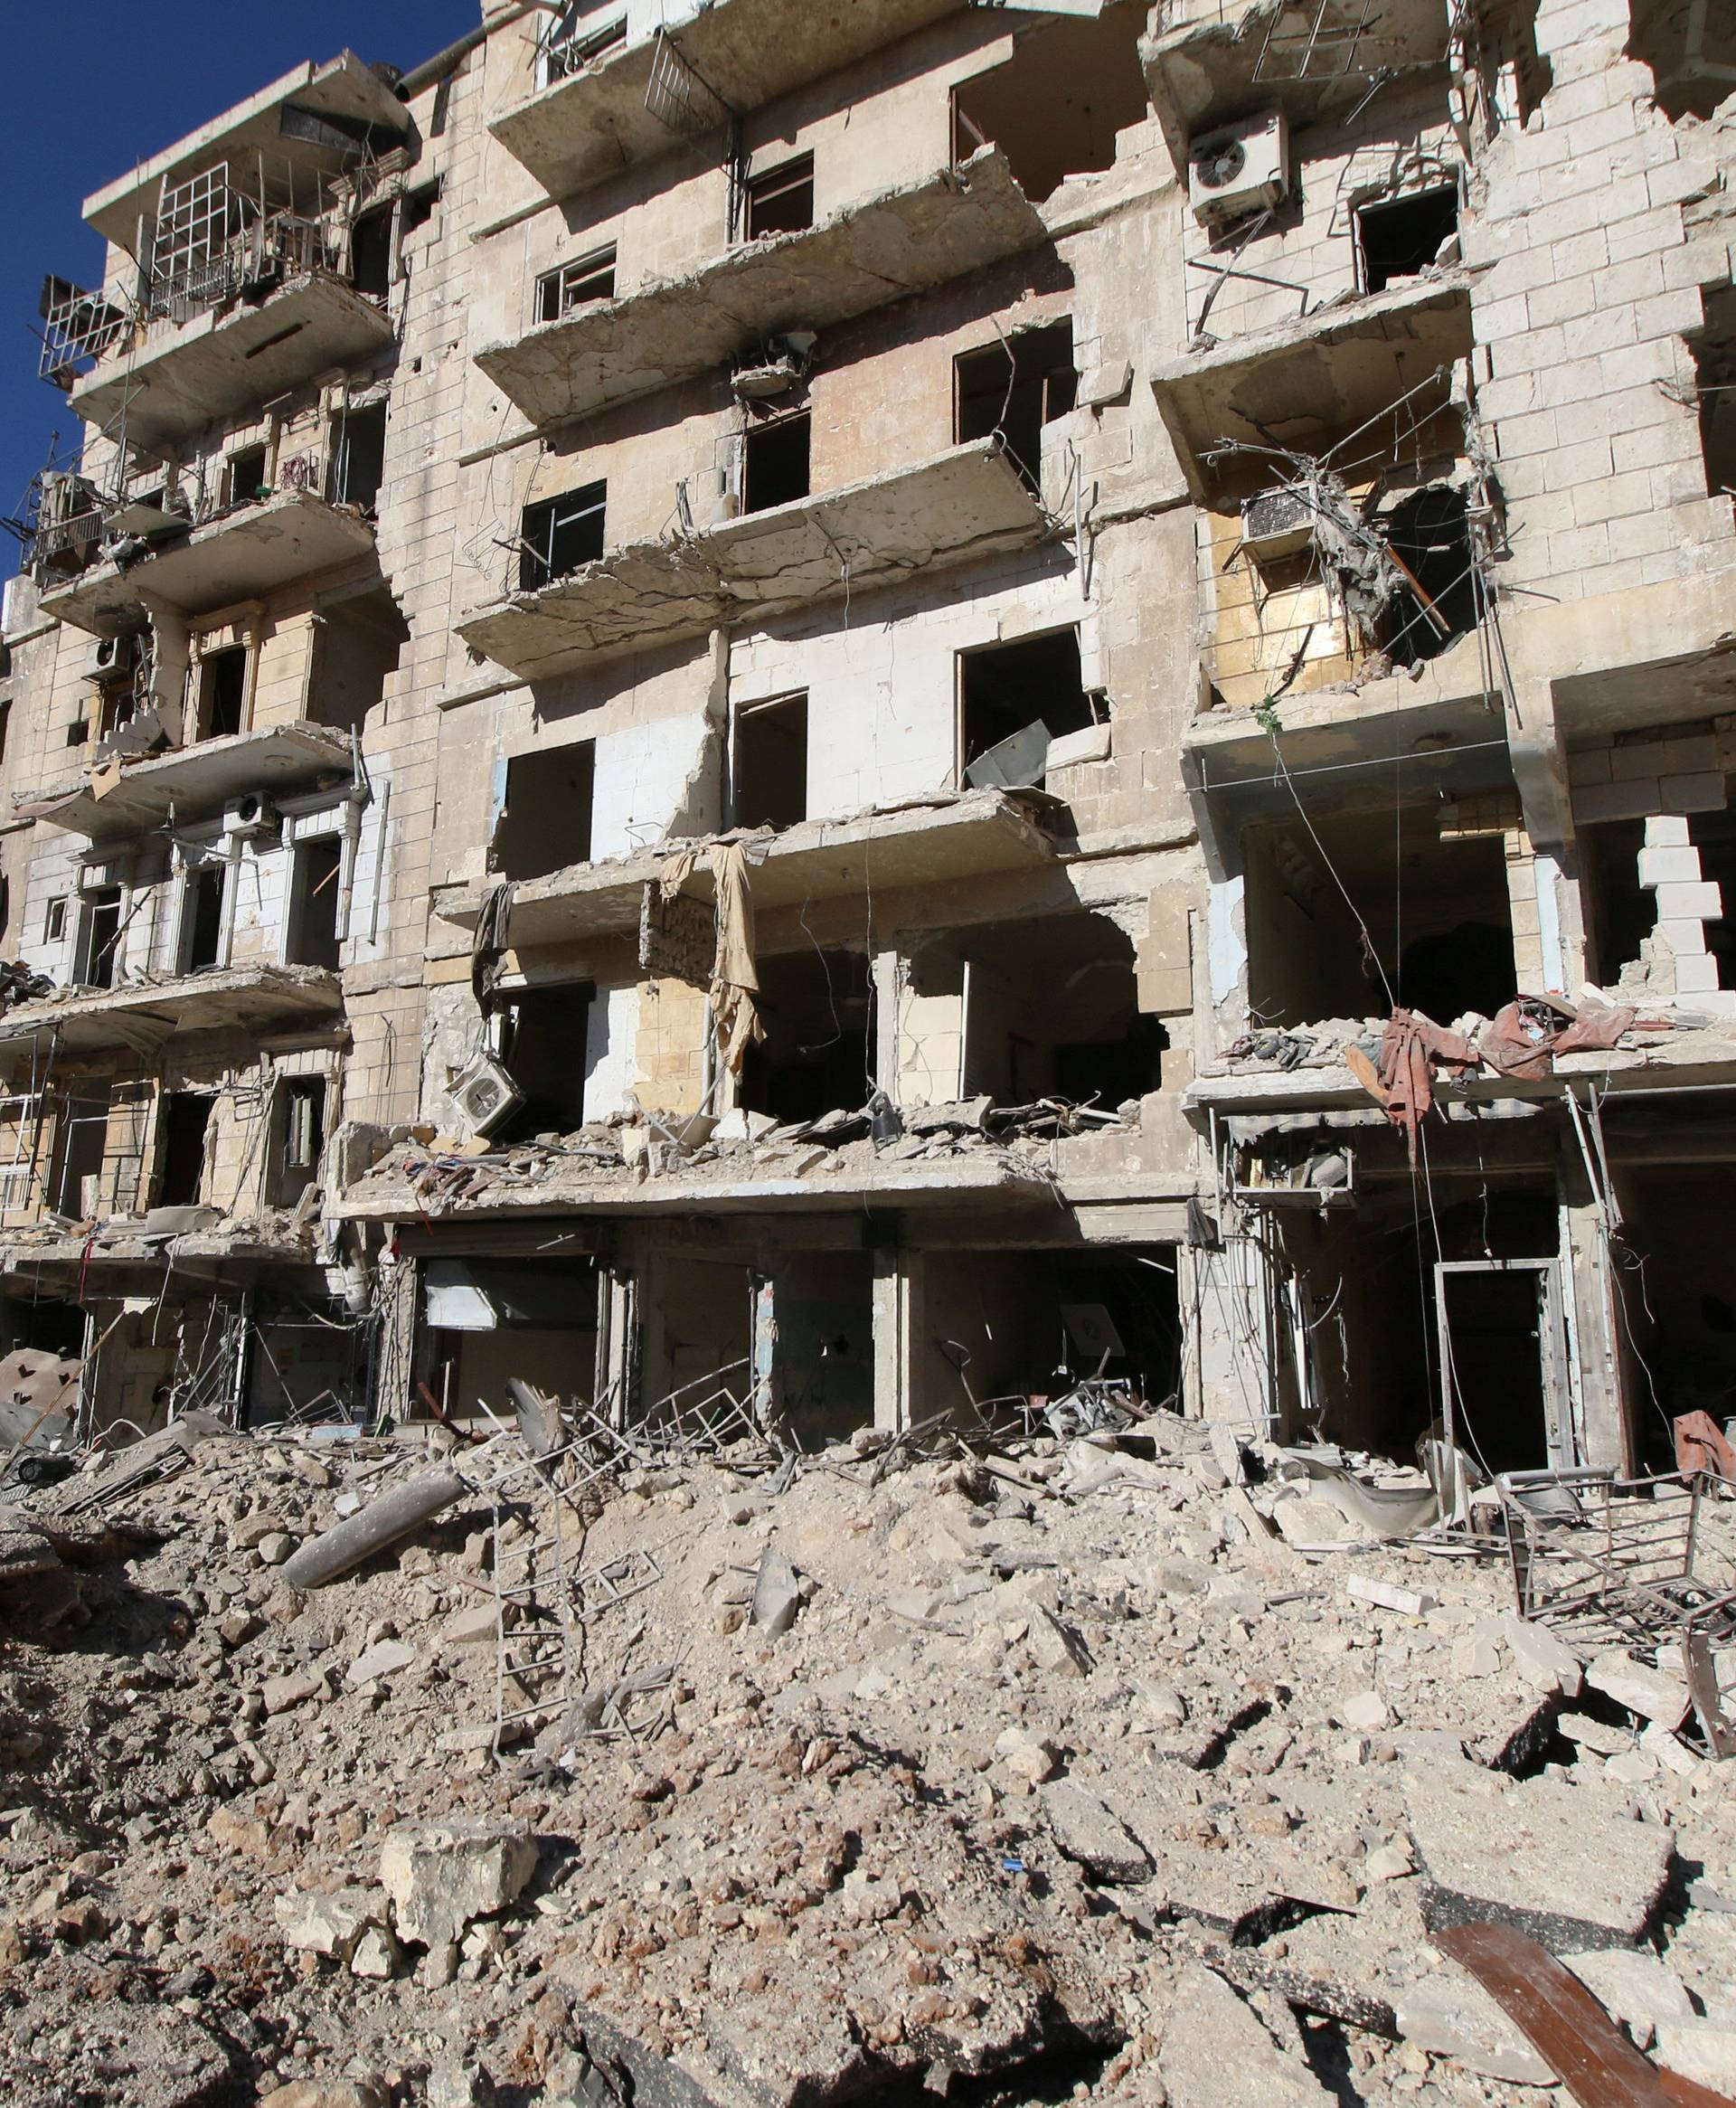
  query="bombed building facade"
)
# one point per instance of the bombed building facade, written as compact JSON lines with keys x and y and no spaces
{"x":818,"y":714}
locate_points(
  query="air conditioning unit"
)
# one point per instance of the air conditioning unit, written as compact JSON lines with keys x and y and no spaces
{"x":110,"y":658}
{"x":1242,"y":168}
{"x":251,"y":815}
{"x":1277,"y":523}
{"x":486,"y":1095}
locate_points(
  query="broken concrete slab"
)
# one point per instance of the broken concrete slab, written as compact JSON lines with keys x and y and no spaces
{"x":330,"y":1925}
{"x":1555,"y":1860}
{"x":1636,"y":1989}
{"x":440,"y":1876}
{"x":1453,"y":2016}
{"x":385,"y":1658}
{"x":1217,"y":2054}
{"x":1651,"y":1692}
{"x":1092,"y":1834}
{"x":777,"y":1595}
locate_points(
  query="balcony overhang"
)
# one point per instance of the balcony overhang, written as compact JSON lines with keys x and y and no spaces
{"x":1223,"y":59}
{"x":123,"y":1256}
{"x":346,"y":93}
{"x":178,"y":379}
{"x":190,"y":781}
{"x":942,"y":841}
{"x":144,"y":1016}
{"x":904,"y":241}
{"x":956,"y":508}
{"x":246,"y":555}
{"x":597,"y":122}
{"x":1304,"y":383}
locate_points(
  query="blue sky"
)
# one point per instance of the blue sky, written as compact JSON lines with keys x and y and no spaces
{"x":135,"y":78}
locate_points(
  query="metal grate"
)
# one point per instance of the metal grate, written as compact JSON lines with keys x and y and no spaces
{"x":78,"y":329}
{"x":677,"y":94}
{"x":1319,"y":41}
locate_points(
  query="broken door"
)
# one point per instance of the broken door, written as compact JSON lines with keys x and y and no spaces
{"x":1505,"y":1382}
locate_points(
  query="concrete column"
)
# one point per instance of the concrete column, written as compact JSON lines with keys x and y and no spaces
{"x":886,"y":979}
{"x":1233,"y":1375}
{"x":899,"y":1286}
{"x":1600,"y":1415}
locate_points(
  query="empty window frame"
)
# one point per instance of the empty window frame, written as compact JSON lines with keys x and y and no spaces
{"x":1031,"y":688}
{"x":1396,"y":237}
{"x":418,"y":209}
{"x":245,"y":474}
{"x":371,"y":250}
{"x":359,"y":455}
{"x":544,"y":1042}
{"x":780,"y":201}
{"x":221,"y":684}
{"x":300,"y":1123}
{"x":99,"y":937}
{"x":204,"y":892}
{"x":1054,"y":108}
{"x":80,"y":1143}
{"x":569,"y":47}
{"x":55,"y":922}
{"x":184,"y":1124}
{"x":1015,"y":386}
{"x":818,"y":1053}
{"x":768,"y":763}
{"x":1429,"y":533}
{"x":545,"y":815}
{"x":574,"y":285}
{"x":315,"y":884}
{"x":558,"y":534}
{"x":775,"y":462}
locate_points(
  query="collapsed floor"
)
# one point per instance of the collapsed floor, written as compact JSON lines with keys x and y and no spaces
{"x":1120,"y":1768}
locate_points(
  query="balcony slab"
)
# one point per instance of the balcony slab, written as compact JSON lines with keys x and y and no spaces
{"x":192,"y":781}
{"x":142,"y":1016}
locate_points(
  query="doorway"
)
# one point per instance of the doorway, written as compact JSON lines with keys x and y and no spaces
{"x":1504,"y":1361}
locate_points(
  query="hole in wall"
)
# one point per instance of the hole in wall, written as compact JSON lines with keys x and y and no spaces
{"x":1056,"y":105}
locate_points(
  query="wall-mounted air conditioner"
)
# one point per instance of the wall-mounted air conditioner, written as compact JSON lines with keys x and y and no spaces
{"x":111,"y":658}
{"x":251,"y":815}
{"x":486,"y":1095}
{"x":1242,"y":168}
{"x":1277,"y":523}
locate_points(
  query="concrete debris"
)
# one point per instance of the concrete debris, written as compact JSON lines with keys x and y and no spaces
{"x":1217,"y":2054}
{"x":443,"y":1876}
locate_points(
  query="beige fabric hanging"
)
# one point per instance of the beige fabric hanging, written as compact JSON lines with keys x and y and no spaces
{"x":735,"y":980}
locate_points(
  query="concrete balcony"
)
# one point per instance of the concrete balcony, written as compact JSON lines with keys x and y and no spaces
{"x":904,"y":241}
{"x":1213,"y":62}
{"x":144,"y":1015}
{"x":957,"y":507}
{"x":599,"y":119}
{"x":177,"y":378}
{"x":192,"y":781}
{"x":1315,"y":379}
{"x":244,"y":554}
{"x":946,"y":840}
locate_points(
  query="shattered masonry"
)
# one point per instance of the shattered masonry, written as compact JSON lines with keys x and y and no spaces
{"x":907,"y":734}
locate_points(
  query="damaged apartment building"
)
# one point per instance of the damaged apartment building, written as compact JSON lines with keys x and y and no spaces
{"x":821,"y":716}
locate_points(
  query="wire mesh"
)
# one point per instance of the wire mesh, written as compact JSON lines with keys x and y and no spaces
{"x":676,"y":95}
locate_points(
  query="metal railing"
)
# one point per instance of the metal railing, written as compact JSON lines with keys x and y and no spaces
{"x":78,"y":329}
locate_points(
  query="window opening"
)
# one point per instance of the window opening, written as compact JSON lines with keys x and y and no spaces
{"x":102,"y":938}
{"x":359,"y":455}
{"x":1056,"y":105}
{"x":418,"y":208}
{"x":1620,"y":912}
{"x":545,"y":823}
{"x":80,"y":1143}
{"x":573,"y":285}
{"x":775,"y":459}
{"x":1430,"y":533}
{"x":1015,"y":388}
{"x":55,"y":922}
{"x":1397,"y":237}
{"x":181,"y":1147}
{"x":1007,"y":690}
{"x":301,"y":1136}
{"x":245,"y":476}
{"x":817,"y":1054}
{"x":781,"y":200}
{"x":314,"y":897}
{"x":560,"y":533}
{"x":201,"y":916}
{"x":371,"y":253}
{"x":543,"y":1044}
{"x":1713,"y":835}
{"x":768,"y":764}
{"x":223,"y":692}
{"x":1714,"y":362}
{"x":567,"y":46}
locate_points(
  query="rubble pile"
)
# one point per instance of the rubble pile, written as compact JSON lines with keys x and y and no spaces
{"x":1123,"y":1768}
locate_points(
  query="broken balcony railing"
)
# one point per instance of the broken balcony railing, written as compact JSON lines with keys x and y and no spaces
{"x":78,"y":329}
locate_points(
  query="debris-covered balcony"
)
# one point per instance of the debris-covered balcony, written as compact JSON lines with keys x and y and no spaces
{"x":939,"y":841}
{"x":1309,"y":382}
{"x":903,"y":241}
{"x":957,"y":507}
{"x":592,"y":116}
{"x":143,"y":1014}
{"x":133,"y":795}
{"x":240,"y":553}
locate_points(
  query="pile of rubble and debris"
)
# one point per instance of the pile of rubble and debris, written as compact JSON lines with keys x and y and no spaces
{"x":1142,"y":1765}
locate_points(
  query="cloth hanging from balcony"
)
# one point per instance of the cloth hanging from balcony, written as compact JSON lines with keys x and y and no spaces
{"x":735,"y":980}
{"x":489,"y":946}
{"x":1410,"y":1047}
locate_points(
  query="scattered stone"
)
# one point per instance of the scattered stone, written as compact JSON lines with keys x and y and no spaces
{"x":1366,"y":1710}
{"x":1410,"y":1603}
{"x":1642,"y":1689}
{"x":385,"y":1658}
{"x":440,"y":1876}
{"x":1637,"y":1989}
{"x":1453,"y":2016}
{"x":282,"y":1694}
{"x":777,"y":1595}
{"x":1092,"y":1834}
{"x":330,"y":1925}
{"x":1701,"y":2050}
{"x":1216,"y":2053}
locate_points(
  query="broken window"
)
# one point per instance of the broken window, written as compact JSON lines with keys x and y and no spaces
{"x":1429,"y":533}
{"x":100,"y":938}
{"x":80,"y":1143}
{"x":560,"y":533}
{"x":818,"y":1055}
{"x":781,"y":200}
{"x":567,"y":46}
{"x":1396,"y":237}
{"x":245,"y":476}
{"x":203,"y":891}
{"x":356,"y":647}
{"x":418,"y":208}
{"x":371,"y":253}
{"x":1055,"y":106}
{"x":300,"y":1121}
{"x":182,"y":1128}
{"x":768,"y":763}
{"x":314,"y":891}
{"x":543,"y":1040}
{"x":1715,"y":362}
{"x":545,"y":823}
{"x":1028,"y":694}
{"x":775,"y":462}
{"x":359,"y":455}
{"x":1015,"y":387}
{"x":588,"y":277}
{"x":222,"y":679}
